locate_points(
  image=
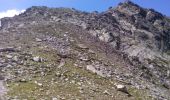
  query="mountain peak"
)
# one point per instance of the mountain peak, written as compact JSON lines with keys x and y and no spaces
{"x":129,"y":7}
{"x":128,"y":3}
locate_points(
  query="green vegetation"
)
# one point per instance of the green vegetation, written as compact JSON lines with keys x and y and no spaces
{"x":67,"y":82}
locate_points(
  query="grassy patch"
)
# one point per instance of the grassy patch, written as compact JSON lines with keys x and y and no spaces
{"x":71,"y":83}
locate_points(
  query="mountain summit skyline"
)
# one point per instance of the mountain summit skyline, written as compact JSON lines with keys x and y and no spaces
{"x":12,"y":7}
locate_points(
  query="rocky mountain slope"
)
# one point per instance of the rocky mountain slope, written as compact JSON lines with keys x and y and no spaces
{"x":66,"y":54}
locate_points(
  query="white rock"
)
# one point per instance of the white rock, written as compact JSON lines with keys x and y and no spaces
{"x":91,"y":68}
{"x":9,"y":56}
{"x":94,"y":70}
{"x":37,"y":59}
{"x":38,"y":40}
{"x":122,"y":88}
{"x":106,"y":92}
{"x":82,"y":46}
{"x":8,"y":66}
{"x":39,"y":84}
{"x":54,"y":99}
{"x":15,"y":58}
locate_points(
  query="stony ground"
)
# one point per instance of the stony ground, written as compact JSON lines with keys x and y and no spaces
{"x":52,"y":67}
{"x":62,"y":54}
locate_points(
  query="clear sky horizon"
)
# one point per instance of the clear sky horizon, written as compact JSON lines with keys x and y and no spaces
{"x":162,"y":6}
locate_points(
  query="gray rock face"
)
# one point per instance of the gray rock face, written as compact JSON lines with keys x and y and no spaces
{"x":140,"y":35}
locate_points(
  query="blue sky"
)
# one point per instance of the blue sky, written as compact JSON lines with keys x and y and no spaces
{"x":162,"y":6}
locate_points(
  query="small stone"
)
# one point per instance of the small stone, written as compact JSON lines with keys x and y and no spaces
{"x":66,"y":32}
{"x":39,"y":84}
{"x":2,"y":61}
{"x":8,"y":49}
{"x":75,"y":64}
{"x":166,"y":84}
{"x":23,"y":80}
{"x":54,"y":98}
{"x":81,"y":91}
{"x":106,"y":92}
{"x":84,"y":58}
{"x":73,"y":81}
{"x":2,"y":65}
{"x":42,"y":73}
{"x":8,"y":66}
{"x":37,"y":59}
{"x":15,"y":58}
{"x":91,"y":51}
{"x":66,"y":79}
{"x":91,"y":68}
{"x":9,"y":56}
{"x":78,"y":83}
{"x":122,"y":88}
{"x":38,"y":40}
{"x":58,"y":74}
{"x":82,"y":46}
